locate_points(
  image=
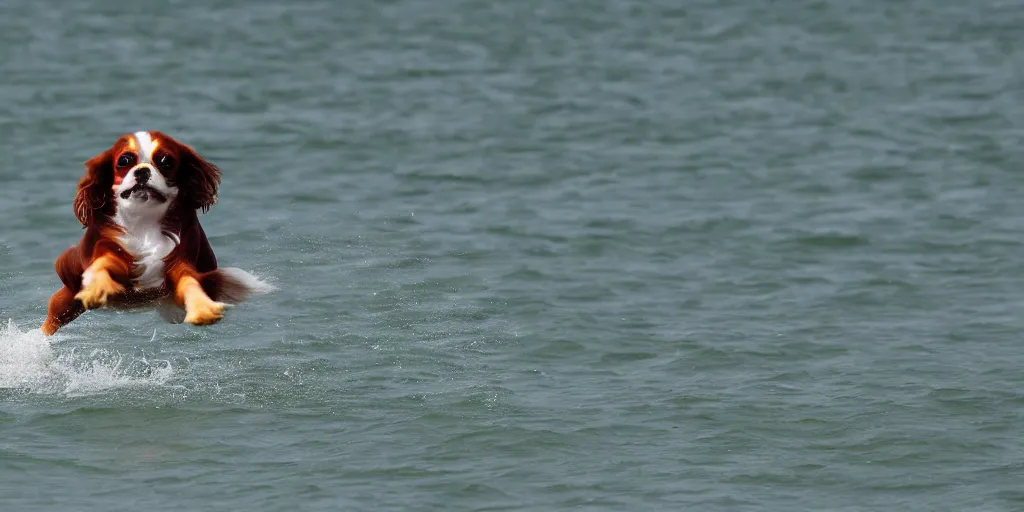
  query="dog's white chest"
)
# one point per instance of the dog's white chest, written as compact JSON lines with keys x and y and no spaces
{"x":148,"y":246}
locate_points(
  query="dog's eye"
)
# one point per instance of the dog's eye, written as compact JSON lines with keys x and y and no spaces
{"x":164,"y":162}
{"x":126,"y":160}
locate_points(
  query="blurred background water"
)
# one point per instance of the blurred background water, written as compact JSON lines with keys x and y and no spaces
{"x":603,"y":255}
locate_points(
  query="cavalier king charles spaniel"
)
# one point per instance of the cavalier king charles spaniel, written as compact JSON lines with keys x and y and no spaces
{"x":143,"y":244}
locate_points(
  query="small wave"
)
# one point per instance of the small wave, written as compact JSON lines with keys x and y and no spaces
{"x":29,"y":361}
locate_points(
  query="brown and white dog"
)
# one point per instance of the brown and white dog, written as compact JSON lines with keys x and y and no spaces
{"x":138,"y":202}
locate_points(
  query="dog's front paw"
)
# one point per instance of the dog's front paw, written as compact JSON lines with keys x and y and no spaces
{"x":49,"y":328}
{"x":100,"y":287}
{"x":204,"y":311}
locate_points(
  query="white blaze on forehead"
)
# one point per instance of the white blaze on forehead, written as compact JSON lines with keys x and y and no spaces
{"x":146,"y":147}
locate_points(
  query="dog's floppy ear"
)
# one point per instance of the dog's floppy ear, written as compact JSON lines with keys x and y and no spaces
{"x":95,"y":187}
{"x":198,"y":181}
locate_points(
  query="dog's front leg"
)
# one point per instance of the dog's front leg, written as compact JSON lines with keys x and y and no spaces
{"x":200,"y":309}
{"x":104,"y":275}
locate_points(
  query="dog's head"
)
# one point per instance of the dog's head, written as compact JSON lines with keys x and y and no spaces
{"x":145,"y":173}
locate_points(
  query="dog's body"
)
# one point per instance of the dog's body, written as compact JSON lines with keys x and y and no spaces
{"x":138,"y":202}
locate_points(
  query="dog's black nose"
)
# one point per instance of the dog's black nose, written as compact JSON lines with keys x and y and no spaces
{"x":142,"y":175}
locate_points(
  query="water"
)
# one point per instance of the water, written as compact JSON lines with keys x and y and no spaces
{"x":609,"y":255}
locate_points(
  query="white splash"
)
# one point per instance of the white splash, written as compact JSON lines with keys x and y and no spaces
{"x":28,"y":361}
{"x":24,"y":357}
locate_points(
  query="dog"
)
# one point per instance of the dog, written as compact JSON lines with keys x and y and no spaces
{"x":138,"y":203}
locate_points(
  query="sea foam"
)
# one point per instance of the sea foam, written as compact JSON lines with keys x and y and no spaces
{"x":35,"y":363}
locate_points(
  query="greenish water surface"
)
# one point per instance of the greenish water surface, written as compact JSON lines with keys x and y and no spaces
{"x":605,"y":255}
